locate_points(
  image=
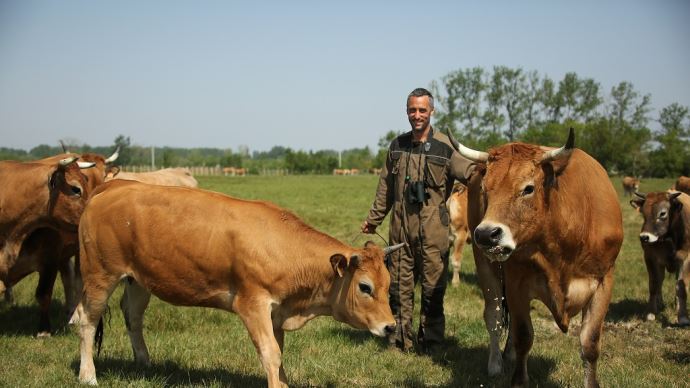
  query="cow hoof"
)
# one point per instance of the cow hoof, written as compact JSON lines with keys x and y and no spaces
{"x":91,"y":381}
{"x":651,"y":317}
{"x":43,"y":334}
{"x":683,"y":321}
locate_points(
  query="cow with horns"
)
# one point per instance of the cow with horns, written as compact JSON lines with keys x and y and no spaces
{"x":199,"y":248}
{"x":547,"y":225}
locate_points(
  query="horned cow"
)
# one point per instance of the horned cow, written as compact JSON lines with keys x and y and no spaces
{"x":548,"y":224}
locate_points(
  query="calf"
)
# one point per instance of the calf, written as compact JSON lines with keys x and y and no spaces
{"x":665,"y":239}
{"x":198,"y":248}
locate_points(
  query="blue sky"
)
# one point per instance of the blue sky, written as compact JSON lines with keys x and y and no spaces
{"x":303,"y":74}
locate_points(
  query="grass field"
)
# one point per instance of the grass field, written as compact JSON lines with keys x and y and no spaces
{"x":204,"y":347}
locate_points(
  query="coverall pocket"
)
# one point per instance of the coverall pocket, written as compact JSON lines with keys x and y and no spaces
{"x":435,"y":171}
{"x":443,"y":214}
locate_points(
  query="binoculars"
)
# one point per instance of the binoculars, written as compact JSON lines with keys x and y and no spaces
{"x":416,"y":192}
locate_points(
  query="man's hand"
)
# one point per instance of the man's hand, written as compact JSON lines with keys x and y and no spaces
{"x":368,"y":228}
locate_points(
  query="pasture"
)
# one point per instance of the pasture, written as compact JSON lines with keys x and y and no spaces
{"x":204,"y":347}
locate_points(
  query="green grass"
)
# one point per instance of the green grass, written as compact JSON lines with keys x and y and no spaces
{"x":204,"y":347}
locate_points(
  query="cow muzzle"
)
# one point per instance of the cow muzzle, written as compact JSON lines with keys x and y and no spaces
{"x":383,"y":330}
{"x":495,"y":240}
{"x":648,"y":238}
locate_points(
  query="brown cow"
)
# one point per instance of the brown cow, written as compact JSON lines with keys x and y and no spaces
{"x":683,"y":185}
{"x":166,"y":177}
{"x":38,"y":200}
{"x":457,"y":207}
{"x":193,"y":247}
{"x":551,"y":219}
{"x":665,"y":239}
{"x":47,"y":250}
{"x":630,"y":185}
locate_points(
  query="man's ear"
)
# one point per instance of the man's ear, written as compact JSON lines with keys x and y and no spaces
{"x":339,"y":264}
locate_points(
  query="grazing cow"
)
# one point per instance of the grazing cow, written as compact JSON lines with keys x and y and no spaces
{"x":551,"y":219}
{"x":683,"y":185}
{"x":165,"y":177}
{"x":38,"y":202}
{"x":630,"y":185}
{"x":193,"y":247}
{"x":457,"y":207}
{"x":665,"y":239}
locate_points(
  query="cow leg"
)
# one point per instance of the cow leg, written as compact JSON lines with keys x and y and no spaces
{"x":90,"y":309}
{"x":592,"y":324}
{"x":682,"y":292}
{"x":9,"y":296}
{"x":655,"y":273}
{"x":280,"y":338}
{"x":44,"y":295}
{"x":257,"y":320}
{"x":492,"y":291}
{"x":135,"y":300}
{"x":67,"y":275}
{"x":459,"y":243}
{"x":523,"y":335}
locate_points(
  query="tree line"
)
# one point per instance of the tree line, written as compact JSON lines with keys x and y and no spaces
{"x":484,"y":108}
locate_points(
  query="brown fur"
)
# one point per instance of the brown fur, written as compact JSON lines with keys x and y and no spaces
{"x":457,"y":207}
{"x":567,"y":236}
{"x":670,"y":252}
{"x":165,"y":177}
{"x":683,"y":184}
{"x":630,"y":185}
{"x":198,"y":248}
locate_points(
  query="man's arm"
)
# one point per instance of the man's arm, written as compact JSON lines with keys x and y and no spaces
{"x":383,"y":202}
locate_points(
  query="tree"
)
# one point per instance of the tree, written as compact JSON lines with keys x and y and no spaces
{"x":123,"y":143}
{"x":671,"y":157}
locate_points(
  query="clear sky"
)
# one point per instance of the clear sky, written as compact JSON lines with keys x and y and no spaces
{"x":304,"y":74}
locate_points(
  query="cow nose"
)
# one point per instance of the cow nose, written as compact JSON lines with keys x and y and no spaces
{"x":389,"y":329}
{"x":644,"y":238}
{"x":488,"y":235}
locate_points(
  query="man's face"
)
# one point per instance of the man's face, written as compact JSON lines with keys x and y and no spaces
{"x":419,"y":113}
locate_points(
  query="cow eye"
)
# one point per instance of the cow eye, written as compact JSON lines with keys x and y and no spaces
{"x":529,"y":189}
{"x":365,"y":288}
{"x":75,"y":190}
{"x":663,"y":214}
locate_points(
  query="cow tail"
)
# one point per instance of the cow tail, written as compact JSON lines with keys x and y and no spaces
{"x":99,"y":331}
{"x":99,"y":336}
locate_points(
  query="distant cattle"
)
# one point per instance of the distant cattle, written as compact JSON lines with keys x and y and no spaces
{"x":457,"y":207}
{"x":683,"y":185}
{"x":375,"y":171}
{"x":234,"y":171}
{"x":40,"y":202}
{"x":665,"y":239}
{"x":341,"y":171}
{"x":178,"y":176}
{"x":630,"y":185}
{"x":547,"y":225}
{"x":199,"y":248}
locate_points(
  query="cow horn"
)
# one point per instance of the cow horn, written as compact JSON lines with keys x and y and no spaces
{"x":86,"y":164}
{"x":641,"y":195}
{"x":64,"y":148}
{"x":114,"y":156}
{"x":468,"y":153}
{"x":562,"y":152}
{"x":64,"y":162}
{"x":390,"y":249}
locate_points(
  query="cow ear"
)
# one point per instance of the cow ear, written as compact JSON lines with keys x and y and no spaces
{"x":354,"y":261}
{"x":637,"y":203}
{"x":339,"y":264}
{"x":112,"y":171}
{"x":673,"y":198}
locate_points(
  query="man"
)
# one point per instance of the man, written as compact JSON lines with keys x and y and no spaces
{"x":415,"y":183}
